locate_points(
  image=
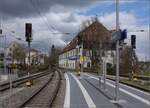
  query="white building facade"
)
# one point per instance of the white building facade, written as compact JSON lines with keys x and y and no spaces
{"x":69,"y":59}
{"x":74,"y":53}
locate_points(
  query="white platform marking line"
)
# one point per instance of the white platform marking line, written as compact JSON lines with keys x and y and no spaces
{"x":129,"y":93}
{"x":87,"y":97}
{"x":67,"y":96}
{"x":131,"y":88}
{"x":125,"y":86}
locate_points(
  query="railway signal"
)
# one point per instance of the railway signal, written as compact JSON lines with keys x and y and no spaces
{"x":123,"y":34}
{"x":28,"y":32}
{"x":28,"y":35}
{"x":133,"y":41}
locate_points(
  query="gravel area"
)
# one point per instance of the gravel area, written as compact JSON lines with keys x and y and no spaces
{"x":42,"y":99}
{"x":59,"y":100}
{"x":17,"y":98}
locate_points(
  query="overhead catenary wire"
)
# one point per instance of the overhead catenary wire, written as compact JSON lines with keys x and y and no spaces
{"x":40,"y":9}
{"x":38,"y":12}
{"x":51,"y":28}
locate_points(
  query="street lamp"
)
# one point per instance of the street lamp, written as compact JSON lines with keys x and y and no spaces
{"x":117,"y":53}
{"x":136,"y":30}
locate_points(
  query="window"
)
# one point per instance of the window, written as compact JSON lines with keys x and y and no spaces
{"x":70,"y":53}
{"x":88,"y":64}
{"x":2,"y":55}
{"x":1,"y":59}
{"x":74,"y":52}
{"x":84,"y":52}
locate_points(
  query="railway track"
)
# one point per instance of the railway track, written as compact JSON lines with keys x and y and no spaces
{"x":45,"y":95}
{"x":19,"y":81}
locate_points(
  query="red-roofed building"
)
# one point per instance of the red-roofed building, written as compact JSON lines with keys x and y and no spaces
{"x":93,"y":35}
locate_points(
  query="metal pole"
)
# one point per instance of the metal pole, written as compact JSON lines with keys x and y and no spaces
{"x":0,"y":21}
{"x":103,"y":70}
{"x":10,"y":83}
{"x":149,"y":32}
{"x":29,"y":59}
{"x":117,"y":52}
{"x":82,"y":57}
{"x":5,"y":54}
{"x":76,"y":61}
{"x":104,"y":73}
{"x":100,"y":64}
{"x":132,"y":57}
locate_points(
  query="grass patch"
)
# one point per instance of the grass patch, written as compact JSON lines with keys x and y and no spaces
{"x":133,"y":83}
{"x":146,"y":73}
{"x":137,"y":84}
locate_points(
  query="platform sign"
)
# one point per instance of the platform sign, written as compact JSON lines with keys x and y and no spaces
{"x":119,"y":35}
{"x":81,"y":58}
{"x":116,"y":36}
{"x":73,"y":58}
{"x":85,"y":58}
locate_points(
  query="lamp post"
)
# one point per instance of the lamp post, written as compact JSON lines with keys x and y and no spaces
{"x":82,"y":58}
{"x":117,"y":53}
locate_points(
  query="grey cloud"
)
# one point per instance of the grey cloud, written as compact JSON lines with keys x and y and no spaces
{"x":30,"y":8}
{"x":22,"y":8}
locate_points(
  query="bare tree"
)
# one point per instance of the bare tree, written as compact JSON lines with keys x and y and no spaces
{"x":19,"y":54}
{"x":95,"y":39}
{"x":54,"y":56}
{"x":128,"y":62}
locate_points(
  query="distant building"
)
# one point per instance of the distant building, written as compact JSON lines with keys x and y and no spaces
{"x":94,"y":34}
{"x":34,"y":56}
{"x":41,"y":59}
{"x":9,"y":52}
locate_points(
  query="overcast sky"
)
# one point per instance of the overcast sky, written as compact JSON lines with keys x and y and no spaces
{"x":52,"y":18}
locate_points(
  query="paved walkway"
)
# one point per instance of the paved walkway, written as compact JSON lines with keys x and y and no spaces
{"x":84,"y":92}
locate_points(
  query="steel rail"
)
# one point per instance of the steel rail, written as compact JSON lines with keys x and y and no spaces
{"x":54,"y":94}
{"x":17,"y":82}
{"x":56,"y":90}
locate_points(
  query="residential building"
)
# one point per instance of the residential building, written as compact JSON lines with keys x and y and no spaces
{"x":9,"y":52}
{"x":34,"y":56}
{"x":94,"y":38}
